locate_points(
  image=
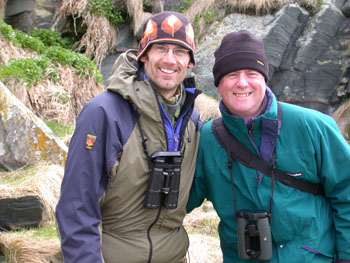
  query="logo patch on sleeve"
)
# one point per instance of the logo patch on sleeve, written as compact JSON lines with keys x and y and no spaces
{"x":90,"y":141}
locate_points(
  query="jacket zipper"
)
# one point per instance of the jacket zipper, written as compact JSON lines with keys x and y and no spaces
{"x":250,"y":131}
{"x":176,"y":142}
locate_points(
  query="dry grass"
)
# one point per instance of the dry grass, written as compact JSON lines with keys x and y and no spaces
{"x":135,"y":10}
{"x":2,"y":8}
{"x":99,"y":39}
{"x":204,"y":249}
{"x":42,"y":180}
{"x":260,"y":6}
{"x":100,"y":36}
{"x":26,"y":247}
{"x":341,"y":116}
{"x":203,"y":220}
{"x":208,"y":107}
{"x":8,"y":50}
{"x":201,"y":224}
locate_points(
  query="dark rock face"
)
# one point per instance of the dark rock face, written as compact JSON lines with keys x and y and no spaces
{"x":315,"y":61}
{"x":25,"y":211}
{"x":29,"y":14}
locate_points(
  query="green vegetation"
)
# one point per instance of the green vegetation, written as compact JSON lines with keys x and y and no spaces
{"x":20,"y":39}
{"x":51,"y":38}
{"x":60,"y":130}
{"x":19,"y":176}
{"x":311,"y":6}
{"x":52,"y":48}
{"x":84,"y":65}
{"x":47,"y":231}
{"x":186,"y":5}
{"x":31,"y":70}
{"x":106,"y":9}
{"x":203,"y":18}
{"x":207,"y":16}
{"x":63,"y":97}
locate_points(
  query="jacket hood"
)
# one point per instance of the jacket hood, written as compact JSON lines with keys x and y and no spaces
{"x":139,"y":92}
{"x":123,"y":73}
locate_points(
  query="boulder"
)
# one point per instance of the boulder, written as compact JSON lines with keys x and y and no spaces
{"x":45,"y":12}
{"x":25,"y":211}
{"x":281,"y":34}
{"x":346,"y":9}
{"x":24,"y":138}
{"x":316,"y":63}
{"x":318,"y":36}
{"x":20,"y":14}
{"x":14,"y":7}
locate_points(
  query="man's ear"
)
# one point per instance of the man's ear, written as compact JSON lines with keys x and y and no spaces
{"x":143,"y":59}
{"x":190,"y":65}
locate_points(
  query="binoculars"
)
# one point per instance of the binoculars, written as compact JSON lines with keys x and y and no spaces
{"x":254,"y":235}
{"x":164,"y":181}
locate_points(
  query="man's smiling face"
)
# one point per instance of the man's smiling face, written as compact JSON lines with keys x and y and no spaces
{"x":166,"y":66}
{"x":242,"y":92}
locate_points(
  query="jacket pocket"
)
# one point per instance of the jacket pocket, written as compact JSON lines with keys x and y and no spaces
{"x":316,"y":255}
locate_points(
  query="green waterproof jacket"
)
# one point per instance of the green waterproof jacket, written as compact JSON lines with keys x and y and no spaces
{"x":305,"y":227}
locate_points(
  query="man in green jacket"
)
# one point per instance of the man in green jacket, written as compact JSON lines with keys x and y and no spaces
{"x":262,"y":219}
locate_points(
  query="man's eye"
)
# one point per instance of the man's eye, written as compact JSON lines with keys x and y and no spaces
{"x":160,"y":49}
{"x":253,"y":74}
{"x":180,"y":52}
{"x":232,"y":75}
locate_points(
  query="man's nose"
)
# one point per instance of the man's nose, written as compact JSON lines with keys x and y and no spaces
{"x":242,"y":80}
{"x":169,"y":57}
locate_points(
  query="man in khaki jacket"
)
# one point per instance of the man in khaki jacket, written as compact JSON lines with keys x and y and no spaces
{"x":132,"y":157}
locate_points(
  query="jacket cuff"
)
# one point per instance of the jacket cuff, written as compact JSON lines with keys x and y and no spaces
{"x":340,"y":260}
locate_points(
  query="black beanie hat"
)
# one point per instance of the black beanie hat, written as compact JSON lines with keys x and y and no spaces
{"x":167,"y":27}
{"x":239,"y":50}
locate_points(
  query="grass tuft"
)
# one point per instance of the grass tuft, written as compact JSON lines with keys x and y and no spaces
{"x":30,"y":245}
{"x":60,"y":130}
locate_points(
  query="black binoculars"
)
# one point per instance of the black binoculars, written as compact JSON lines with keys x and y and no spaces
{"x":254,"y":235}
{"x":164,"y":180}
